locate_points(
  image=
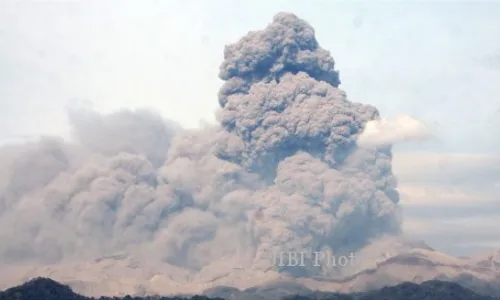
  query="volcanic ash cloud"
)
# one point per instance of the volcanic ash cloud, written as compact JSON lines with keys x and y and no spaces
{"x":284,"y":118}
{"x":281,"y":172}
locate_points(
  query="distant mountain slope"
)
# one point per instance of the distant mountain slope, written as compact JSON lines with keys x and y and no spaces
{"x":386,"y":263}
{"x":47,"y":289}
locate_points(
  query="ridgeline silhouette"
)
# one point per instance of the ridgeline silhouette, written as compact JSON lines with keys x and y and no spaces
{"x":47,"y":289}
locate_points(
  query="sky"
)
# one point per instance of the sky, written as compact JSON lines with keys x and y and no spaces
{"x":436,"y":61}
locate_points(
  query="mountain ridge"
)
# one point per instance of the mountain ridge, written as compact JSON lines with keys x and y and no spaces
{"x":396,"y":262}
{"x":47,"y":289}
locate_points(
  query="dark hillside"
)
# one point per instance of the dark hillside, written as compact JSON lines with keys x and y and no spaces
{"x":47,"y":289}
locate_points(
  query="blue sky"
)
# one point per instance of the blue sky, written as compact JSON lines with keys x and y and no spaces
{"x":439,"y":62}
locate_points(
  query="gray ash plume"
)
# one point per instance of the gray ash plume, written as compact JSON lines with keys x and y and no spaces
{"x":210,"y":199}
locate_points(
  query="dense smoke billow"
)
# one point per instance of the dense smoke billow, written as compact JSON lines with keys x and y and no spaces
{"x":281,"y":172}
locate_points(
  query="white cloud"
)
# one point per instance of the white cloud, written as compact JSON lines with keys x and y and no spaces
{"x":401,"y":128}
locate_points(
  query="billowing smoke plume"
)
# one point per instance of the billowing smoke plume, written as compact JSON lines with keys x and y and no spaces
{"x":281,"y":172}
